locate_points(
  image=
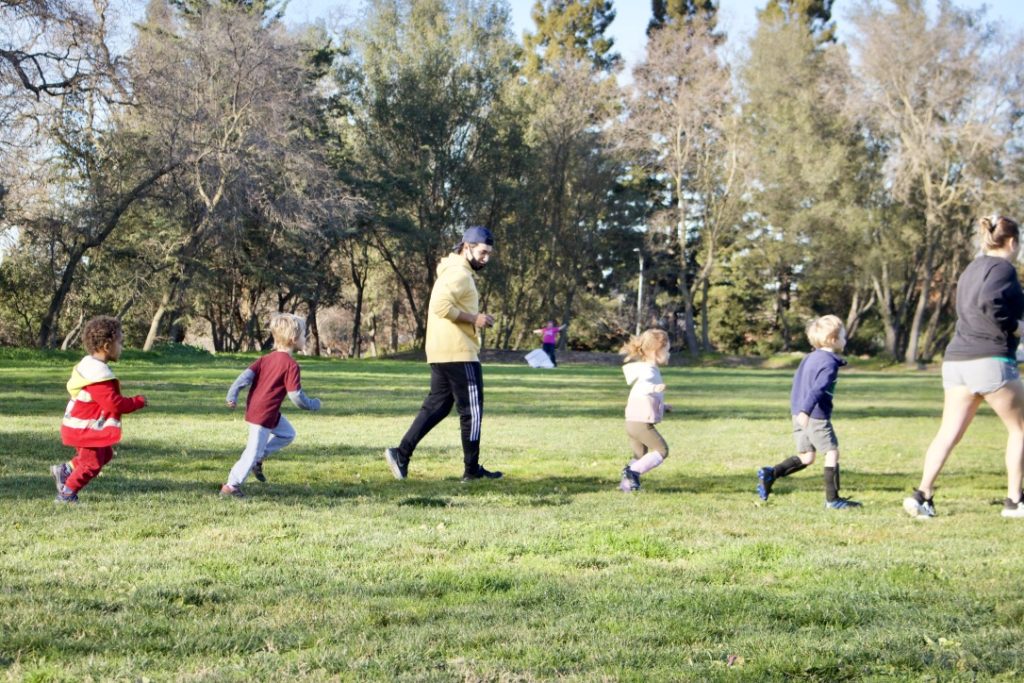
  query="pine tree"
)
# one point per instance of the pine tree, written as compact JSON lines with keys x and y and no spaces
{"x":676,"y":13}
{"x":571,"y":30}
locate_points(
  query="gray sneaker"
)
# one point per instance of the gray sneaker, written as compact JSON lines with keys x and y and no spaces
{"x":257,"y":471}
{"x":630,"y":480}
{"x":60,"y":474}
{"x":918,"y":506}
{"x":394,"y":460}
{"x":1011,"y":509}
{"x":229,"y":491}
{"x":69,"y":497}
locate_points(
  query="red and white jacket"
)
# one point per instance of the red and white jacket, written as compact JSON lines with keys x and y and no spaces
{"x":93,"y":416}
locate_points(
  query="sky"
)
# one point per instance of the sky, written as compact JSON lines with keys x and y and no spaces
{"x":737,"y":17}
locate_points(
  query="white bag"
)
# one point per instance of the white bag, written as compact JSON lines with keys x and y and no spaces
{"x":538,"y":358}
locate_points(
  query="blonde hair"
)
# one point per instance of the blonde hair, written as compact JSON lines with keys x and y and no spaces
{"x":287,"y":330}
{"x":824,"y":331}
{"x":651,"y":346}
{"x":995,"y":231}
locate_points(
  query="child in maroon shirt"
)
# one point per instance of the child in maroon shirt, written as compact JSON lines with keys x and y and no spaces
{"x":92,"y":420}
{"x":270,"y":379}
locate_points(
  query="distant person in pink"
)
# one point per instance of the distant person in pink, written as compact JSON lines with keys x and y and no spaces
{"x":549,"y":338}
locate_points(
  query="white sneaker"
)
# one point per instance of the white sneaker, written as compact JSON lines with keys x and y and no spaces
{"x":1011,"y":509}
{"x":916,"y":506}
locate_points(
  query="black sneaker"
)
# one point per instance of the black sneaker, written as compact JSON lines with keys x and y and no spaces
{"x":842,"y":504}
{"x":630,"y":480}
{"x":919,"y":507}
{"x":1013,"y":509}
{"x":257,"y":471}
{"x":399,"y":469}
{"x":480,"y":473}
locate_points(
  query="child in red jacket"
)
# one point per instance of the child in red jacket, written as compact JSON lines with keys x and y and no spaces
{"x":92,"y":420}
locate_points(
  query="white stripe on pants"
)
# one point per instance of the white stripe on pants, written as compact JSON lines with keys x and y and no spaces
{"x":475,"y":409}
{"x":263,"y":441}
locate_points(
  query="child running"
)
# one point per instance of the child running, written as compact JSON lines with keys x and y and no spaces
{"x":269,"y":379}
{"x":814,"y":386}
{"x":646,"y":405}
{"x":92,"y":420}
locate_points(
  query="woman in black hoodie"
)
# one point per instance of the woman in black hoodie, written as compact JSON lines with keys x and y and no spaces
{"x":980,"y":363}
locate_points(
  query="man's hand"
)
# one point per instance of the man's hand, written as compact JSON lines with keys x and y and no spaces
{"x":803,"y":419}
{"x":483,"y":320}
{"x":231,"y":404}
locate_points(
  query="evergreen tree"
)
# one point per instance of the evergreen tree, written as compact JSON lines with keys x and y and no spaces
{"x":571,"y":30}
{"x":816,"y":15}
{"x":675,"y":13}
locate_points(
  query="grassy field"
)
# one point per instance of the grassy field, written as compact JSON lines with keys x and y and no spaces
{"x":334,"y":570}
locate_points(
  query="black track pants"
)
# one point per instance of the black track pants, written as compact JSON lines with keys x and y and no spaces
{"x":458,"y":384}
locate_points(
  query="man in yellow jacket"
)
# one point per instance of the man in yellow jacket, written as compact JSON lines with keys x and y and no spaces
{"x":453,"y":348}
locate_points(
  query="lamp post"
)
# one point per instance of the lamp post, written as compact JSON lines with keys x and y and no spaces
{"x":639,"y":290}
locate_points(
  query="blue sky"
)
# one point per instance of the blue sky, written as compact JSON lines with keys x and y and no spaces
{"x":737,"y":17}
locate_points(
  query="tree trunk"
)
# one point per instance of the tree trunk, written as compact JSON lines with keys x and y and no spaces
{"x":396,"y":309}
{"x":883,"y":292}
{"x":913,"y":339}
{"x":73,"y":333}
{"x":705,"y":334}
{"x":104,"y":227}
{"x":48,"y":325}
{"x":688,"y":322}
{"x":357,"y":322}
{"x":154,"y":324}
{"x":312,"y":327}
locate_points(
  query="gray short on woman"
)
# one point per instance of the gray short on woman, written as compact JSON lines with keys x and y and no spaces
{"x":981,"y":375}
{"x":817,"y":436}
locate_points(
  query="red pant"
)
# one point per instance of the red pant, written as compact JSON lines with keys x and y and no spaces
{"x":86,"y":464}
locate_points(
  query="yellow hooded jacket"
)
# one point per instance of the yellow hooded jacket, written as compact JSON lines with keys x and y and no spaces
{"x":450,"y":340}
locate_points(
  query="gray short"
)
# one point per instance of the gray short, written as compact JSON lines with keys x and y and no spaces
{"x":818,"y":436}
{"x":981,"y":375}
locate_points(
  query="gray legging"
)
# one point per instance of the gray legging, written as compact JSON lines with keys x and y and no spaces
{"x":644,"y":437}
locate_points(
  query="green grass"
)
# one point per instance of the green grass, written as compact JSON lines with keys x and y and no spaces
{"x":333,"y":570}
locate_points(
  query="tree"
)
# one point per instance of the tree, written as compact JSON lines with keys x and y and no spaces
{"x":805,"y":157}
{"x":423,"y":83}
{"x":942,"y":98}
{"x":677,"y":118}
{"x":229,"y":94}
{"x":816,"y":15}
{"x":679,"y":13}
{"x":74,"y":174}
{"x":570,"y":31}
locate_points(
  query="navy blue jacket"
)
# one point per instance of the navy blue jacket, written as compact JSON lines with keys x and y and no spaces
{"x":814,"y":384}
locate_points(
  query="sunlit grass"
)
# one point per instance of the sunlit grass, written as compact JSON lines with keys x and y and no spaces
{"x":335,"y":570}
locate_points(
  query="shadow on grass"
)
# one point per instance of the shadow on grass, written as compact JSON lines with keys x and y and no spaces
{"x":166,"y":472}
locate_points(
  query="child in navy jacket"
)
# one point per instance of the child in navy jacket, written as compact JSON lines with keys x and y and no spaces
{"x":811,"y":406}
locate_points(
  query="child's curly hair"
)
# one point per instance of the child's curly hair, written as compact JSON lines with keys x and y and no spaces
{"x":100,"y":332}
{"x":651,"y":346}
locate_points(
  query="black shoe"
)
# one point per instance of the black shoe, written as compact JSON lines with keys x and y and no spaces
{"x":480,"y":473}
{"x":399,"y":469}
{"x":257,"y":471}
{"x":630,"y":480}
